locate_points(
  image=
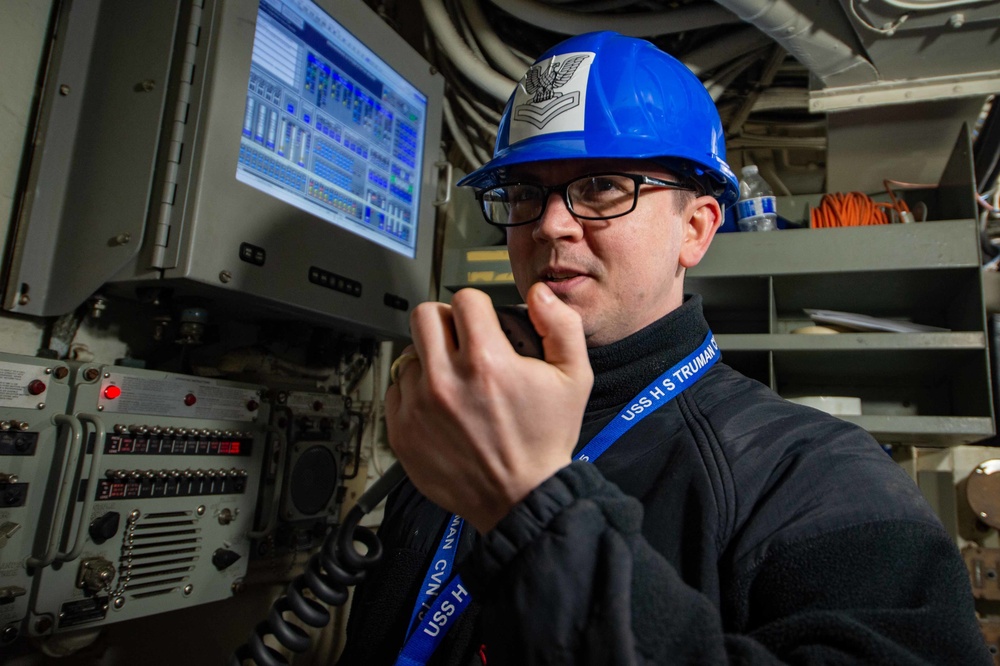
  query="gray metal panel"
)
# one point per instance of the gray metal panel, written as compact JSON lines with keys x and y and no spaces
{"x":956,"y":192}
{"x":85,"y":207}
{"x":173,"y":517}
{"x":905,"y":142}
{"x":216,"y":213}
{"x":141,"y":176}
{"x":928,"y":39}
{"x":24,"y":524}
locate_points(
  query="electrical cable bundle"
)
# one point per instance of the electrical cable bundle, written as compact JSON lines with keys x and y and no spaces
{"x":856,"y":209}
{"x":848,"y":209}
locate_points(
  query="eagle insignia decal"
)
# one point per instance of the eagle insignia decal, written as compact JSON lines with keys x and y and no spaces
{"x":541,"y":83}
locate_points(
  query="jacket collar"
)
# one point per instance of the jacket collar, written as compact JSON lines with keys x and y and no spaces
{"x":623,"y":368}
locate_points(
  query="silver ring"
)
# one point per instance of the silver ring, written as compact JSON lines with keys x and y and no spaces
{"x":397,"y":366}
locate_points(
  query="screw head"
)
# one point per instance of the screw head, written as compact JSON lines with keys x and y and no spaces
{"x":225,"y":277}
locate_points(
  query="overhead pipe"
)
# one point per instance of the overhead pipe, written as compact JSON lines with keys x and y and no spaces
{"x":774,"y":99}
{"x":720,"y":51}
{"x":464,"y":145}
{"x":832,"y":59}
{"x":771,"y":68}
{"x":638,"y":24}
{"x":717,"y":85}
{"x":477,"y":71}
{"x":600,"y":5}
{"x":496,"y":50}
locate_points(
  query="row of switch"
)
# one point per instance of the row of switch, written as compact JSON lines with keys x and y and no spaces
{"x":170,"y":431}
{"x":151,"y":475}
{"x":13,"y":425}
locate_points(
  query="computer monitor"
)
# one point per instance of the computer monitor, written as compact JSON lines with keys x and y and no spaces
{"x":331,"y":128}
{"x":278,"y":157}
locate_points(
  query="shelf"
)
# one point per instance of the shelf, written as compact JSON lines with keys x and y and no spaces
{"x":896,"y":247}
{"x":941,"y":430}
{"x":852,"y":342}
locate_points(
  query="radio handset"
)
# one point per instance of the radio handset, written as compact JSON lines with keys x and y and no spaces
{"x":338,"y":564}
{"x":517,"y":326}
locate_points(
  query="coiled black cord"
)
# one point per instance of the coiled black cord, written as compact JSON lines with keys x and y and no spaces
{"x":337,"y":565}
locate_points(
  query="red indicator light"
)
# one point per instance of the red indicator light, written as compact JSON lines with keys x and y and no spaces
{"x":112,"y":392}
{"x":36,"y":387}
{"x":190,"y":399}
{"x":235,"y":449}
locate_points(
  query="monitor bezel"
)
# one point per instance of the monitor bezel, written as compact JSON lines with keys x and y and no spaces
{"x":220,"y":213}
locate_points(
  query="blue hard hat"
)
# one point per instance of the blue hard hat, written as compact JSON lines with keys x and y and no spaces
{"x":604,"y":95}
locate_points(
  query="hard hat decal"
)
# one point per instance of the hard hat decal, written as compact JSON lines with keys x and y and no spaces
{"x":551,"y":97}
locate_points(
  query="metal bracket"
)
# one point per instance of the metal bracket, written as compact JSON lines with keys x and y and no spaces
{"x":904,"y":92}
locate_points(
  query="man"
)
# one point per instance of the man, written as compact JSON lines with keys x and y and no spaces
{"x":630,"y":499}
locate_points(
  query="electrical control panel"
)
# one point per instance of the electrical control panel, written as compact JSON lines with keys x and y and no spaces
{"x":34,"y":394}
{"x":162,"y":497}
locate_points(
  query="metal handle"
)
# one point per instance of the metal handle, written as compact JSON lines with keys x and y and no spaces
{"x":71,"y":457}
{"x":447,"y":183}
{"x":100,"y":434}
{"x":279,"y":483}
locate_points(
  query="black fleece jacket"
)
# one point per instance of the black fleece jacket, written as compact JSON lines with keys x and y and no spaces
{"x":730,"y":526}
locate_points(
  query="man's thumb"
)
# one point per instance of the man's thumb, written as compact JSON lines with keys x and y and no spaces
{"x":561,"y":329}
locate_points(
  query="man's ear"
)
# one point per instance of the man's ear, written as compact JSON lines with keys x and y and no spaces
{"x":703,"y":217}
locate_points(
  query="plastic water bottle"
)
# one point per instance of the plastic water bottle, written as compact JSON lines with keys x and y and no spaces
{"x":755,"y":210}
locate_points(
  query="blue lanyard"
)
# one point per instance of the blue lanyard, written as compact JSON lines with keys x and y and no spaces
{"x":437,"y":609}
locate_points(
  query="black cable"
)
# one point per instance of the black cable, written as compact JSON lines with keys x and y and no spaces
{"x":329,"y":572}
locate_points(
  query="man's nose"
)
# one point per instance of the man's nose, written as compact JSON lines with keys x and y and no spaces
{"x":557,"y":221}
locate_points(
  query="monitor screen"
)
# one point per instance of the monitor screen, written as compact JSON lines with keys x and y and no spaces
{"x":332,"y":129}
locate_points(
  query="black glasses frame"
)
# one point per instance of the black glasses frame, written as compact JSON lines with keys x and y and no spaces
{"x":563,"y":190}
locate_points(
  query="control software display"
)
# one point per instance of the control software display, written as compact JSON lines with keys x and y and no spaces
{"x":330,"y":128}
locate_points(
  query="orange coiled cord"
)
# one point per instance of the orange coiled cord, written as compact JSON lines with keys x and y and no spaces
{"x":856,"y":209}
{"x":848,"y":209}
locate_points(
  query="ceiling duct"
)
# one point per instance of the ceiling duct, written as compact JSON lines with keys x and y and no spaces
{"x":818,"y":34}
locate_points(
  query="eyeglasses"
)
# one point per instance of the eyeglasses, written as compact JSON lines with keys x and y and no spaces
{"x":600,"y":196}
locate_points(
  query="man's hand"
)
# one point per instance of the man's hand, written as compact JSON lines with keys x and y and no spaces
{"x":476,"y":426}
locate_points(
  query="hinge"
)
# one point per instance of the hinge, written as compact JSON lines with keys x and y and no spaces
{"x":178,"y":127}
